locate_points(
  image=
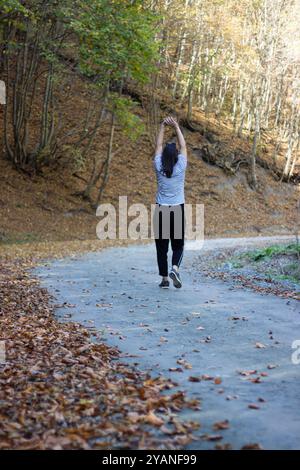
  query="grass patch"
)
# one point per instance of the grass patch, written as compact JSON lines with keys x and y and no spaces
{"x":237,"y":264}
{"x":286,"y":277}
{"x":292,"y":249}
{"x":28,"y":237}
{"x":292,"y":271}
{"x":279,"y":262}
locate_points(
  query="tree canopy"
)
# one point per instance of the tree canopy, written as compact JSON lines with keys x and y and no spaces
{"x":236,"y":59}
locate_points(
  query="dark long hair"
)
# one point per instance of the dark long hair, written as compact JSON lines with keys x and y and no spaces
{"x":169,"y":159}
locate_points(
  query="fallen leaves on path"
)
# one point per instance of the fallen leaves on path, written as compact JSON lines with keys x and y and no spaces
{"x":242,"y":281}
{"x":226,"y":446}
{"x":184,"y":363}
{"x":59,"y":390}
{"x":175,"y":369}
{"x":252,"y":446}
{"x":247,"y":372}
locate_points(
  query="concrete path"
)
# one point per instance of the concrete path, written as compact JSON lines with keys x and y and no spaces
{"x":208,"y":325}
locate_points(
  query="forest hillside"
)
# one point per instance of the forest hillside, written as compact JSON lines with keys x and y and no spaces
{"x":87,"y":85}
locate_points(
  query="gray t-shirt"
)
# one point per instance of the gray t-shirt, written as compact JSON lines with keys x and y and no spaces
{"x":170,"y":191}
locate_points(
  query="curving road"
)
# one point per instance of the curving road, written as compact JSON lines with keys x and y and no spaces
{"x":211,"y":327}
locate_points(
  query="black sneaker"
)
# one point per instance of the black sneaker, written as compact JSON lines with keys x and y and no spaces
{"x":164,"y":284}
{"x":174,"y":275}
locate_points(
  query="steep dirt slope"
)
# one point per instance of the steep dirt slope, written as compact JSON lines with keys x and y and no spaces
{"x":45,"y":208}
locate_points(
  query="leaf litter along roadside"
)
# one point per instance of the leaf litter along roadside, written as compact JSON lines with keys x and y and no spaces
{"x":226,"y":265}
{"x":59,"y":390}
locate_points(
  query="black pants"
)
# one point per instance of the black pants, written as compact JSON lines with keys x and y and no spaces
{"x":172,"y":217}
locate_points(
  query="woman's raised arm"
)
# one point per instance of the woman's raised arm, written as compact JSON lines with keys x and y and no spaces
{"x":160,"y":139}
{"x":172,"y":122}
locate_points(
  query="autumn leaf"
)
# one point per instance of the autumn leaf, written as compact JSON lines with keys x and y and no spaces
{"x":252,"y":446}
{"x":194,"y":379}
{"x":221,"y":425}
{"x":151,"y":418}
{"x":253,"y":406}
{"x":212,"y":437}
{"x":260,"y":345}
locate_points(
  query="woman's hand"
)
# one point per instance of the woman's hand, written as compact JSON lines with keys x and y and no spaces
{"x":170,"y":121}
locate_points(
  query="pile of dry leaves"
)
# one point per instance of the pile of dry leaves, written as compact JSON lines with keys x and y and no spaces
{"x":59,"y":390}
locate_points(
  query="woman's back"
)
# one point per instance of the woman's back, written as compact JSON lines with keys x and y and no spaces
{"x":170,"y":191}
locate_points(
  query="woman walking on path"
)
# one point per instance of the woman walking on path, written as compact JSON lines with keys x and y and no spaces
{"x":170,"y":165}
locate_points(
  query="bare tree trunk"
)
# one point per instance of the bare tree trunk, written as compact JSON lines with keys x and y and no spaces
{"x":95,"y":174}
{"x":292,"y":142}
{"x":107,"y":161}
{"x":253,"y":177}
